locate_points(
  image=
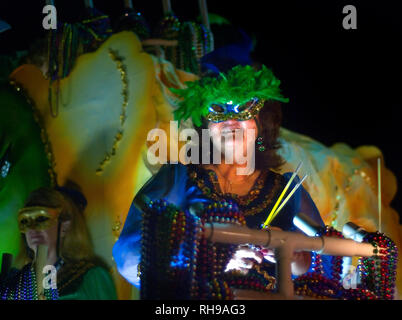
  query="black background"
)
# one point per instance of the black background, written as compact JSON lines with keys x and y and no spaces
{"x":343,"y":85}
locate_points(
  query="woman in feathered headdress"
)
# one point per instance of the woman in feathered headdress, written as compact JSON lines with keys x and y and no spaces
{"x":230,"y":100}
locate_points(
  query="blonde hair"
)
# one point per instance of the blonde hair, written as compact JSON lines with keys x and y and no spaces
{"x":76,"y":244}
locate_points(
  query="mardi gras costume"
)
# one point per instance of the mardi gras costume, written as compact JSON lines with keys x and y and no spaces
{"x":84,"y":279}
{"x":79,"y":281}
{"x":162,"y":248}
{"x":238,"y":94}
{"x":184,"y":186}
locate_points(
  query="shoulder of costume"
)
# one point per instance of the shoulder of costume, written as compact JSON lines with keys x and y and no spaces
{"x":70,"y":277}
{"x":174,"y":168}
{"x":166,"y":174}
{"x":288,"y":175}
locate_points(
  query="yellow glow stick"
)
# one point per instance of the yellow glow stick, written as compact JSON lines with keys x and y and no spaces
{"x":282,"y":194}
{"x":379,"y":192}
{"x":287,"y":199}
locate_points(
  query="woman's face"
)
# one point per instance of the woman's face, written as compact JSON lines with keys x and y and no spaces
{"x":46,"y":237}
{"x":238,"y":136}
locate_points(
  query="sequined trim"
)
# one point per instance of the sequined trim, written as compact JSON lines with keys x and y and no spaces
{"x":123,"y":115}
{"x":242,"y":116}
{"x":243,"y":201}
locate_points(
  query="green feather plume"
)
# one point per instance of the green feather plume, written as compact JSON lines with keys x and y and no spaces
{"x":240,"y":84}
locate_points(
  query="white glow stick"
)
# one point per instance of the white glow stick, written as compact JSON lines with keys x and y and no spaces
{"x":379,"y":192}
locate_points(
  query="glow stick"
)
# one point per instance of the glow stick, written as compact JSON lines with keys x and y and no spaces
{"x":287,"y":199}
{"x":379,"y":192}
{"x":282,"y":194}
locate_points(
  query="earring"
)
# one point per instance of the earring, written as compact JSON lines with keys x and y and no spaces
{"x":260,"y":143}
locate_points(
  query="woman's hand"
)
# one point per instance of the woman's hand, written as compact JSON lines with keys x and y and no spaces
{"x":243,"y":259}
{"x":301,"y":260}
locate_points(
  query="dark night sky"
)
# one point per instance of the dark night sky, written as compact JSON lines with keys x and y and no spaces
{"x":343,"y":85}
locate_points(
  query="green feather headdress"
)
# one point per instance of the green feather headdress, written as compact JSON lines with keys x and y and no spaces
{"x":239,"y":85}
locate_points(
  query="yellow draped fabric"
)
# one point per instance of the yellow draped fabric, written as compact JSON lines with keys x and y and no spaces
{"x":91,"y":101}
{"x":343,"y":184}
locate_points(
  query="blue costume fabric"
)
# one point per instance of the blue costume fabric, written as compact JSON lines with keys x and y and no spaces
{"x":185,"y":185}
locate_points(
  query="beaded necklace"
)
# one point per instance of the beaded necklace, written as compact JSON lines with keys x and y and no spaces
{"x":25,"y":287}
{"x":169,"y":252}
{"x":194,"y":41}
{"x":378,"y":273}
{"x":178,"y":262}
{"x":67,"y":43}
{"x":315,"y":284}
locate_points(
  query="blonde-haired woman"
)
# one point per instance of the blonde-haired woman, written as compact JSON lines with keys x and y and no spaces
{"x":54,"y":218}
